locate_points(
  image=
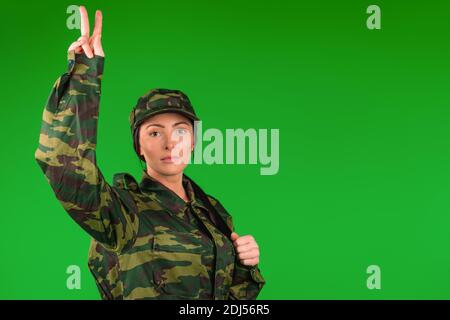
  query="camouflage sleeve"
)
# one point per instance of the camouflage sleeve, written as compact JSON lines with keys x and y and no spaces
{"x":66,"y":155}
{"x":247,"y":280}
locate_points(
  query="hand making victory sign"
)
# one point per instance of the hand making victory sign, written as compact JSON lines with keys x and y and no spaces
{"x":89,"y":45}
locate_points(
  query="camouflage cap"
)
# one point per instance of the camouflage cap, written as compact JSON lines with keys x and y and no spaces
{"x":158,"y":101}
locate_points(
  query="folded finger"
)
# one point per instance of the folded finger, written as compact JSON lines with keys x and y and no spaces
{"x":250,"y":262}
{"x":246,"y":247}
{"x":249,"y":254}
{"x":88,"y":50}
{"x":244,"y":240}
{"x":75,"y":45}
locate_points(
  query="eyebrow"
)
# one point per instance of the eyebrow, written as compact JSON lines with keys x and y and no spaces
{"x":161,"y":126}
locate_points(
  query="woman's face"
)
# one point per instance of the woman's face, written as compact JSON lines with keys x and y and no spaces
{"x":166,"y":141}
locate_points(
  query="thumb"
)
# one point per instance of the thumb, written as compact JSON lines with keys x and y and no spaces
{"x":234,"y":236}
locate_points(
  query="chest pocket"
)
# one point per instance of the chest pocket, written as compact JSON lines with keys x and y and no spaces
{"x":180,"y":264}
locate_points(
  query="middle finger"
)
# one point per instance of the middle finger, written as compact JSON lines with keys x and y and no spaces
{"x":246,"y":247}
{"x":249,"y":254}
{"x":98,"y":24}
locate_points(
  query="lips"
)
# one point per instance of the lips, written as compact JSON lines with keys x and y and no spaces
{"x":169,"y":159}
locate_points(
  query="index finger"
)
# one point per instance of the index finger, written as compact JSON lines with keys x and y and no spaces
{"x":244,"y":240}
{"x":84,"y":21}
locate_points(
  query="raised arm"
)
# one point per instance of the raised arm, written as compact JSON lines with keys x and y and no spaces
{"x":67,"y":143}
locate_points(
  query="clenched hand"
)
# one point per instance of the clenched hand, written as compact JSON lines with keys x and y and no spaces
{"x":247,"y":249}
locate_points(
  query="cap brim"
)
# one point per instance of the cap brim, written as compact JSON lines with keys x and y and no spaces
{"x":167,"y":110}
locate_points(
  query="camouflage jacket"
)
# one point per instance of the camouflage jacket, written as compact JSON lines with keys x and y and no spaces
{"x":147,"y":243}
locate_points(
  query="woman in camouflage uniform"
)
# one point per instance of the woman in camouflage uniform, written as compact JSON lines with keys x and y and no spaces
{"x":161,"y":238}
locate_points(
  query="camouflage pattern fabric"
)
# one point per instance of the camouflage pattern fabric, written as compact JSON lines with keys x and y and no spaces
{"x":161,"y":100}
{"x":147,"y":243}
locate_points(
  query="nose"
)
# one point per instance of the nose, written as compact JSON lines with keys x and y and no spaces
{"x":170,"y":144}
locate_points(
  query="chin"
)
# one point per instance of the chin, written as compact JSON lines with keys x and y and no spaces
{"x":170,"y":170}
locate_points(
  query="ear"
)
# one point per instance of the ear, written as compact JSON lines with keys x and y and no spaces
{"x":141,"y":153}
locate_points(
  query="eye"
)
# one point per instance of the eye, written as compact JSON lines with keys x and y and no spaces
{"x":154,"y":134}
{"x":181,"y":131}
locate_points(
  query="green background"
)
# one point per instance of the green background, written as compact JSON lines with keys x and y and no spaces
{"x":364,"y":122}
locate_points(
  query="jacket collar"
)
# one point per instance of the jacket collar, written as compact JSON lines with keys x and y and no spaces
{"x":168,"y":198}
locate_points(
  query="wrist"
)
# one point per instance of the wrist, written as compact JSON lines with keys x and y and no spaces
{"x":80,"y":64}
